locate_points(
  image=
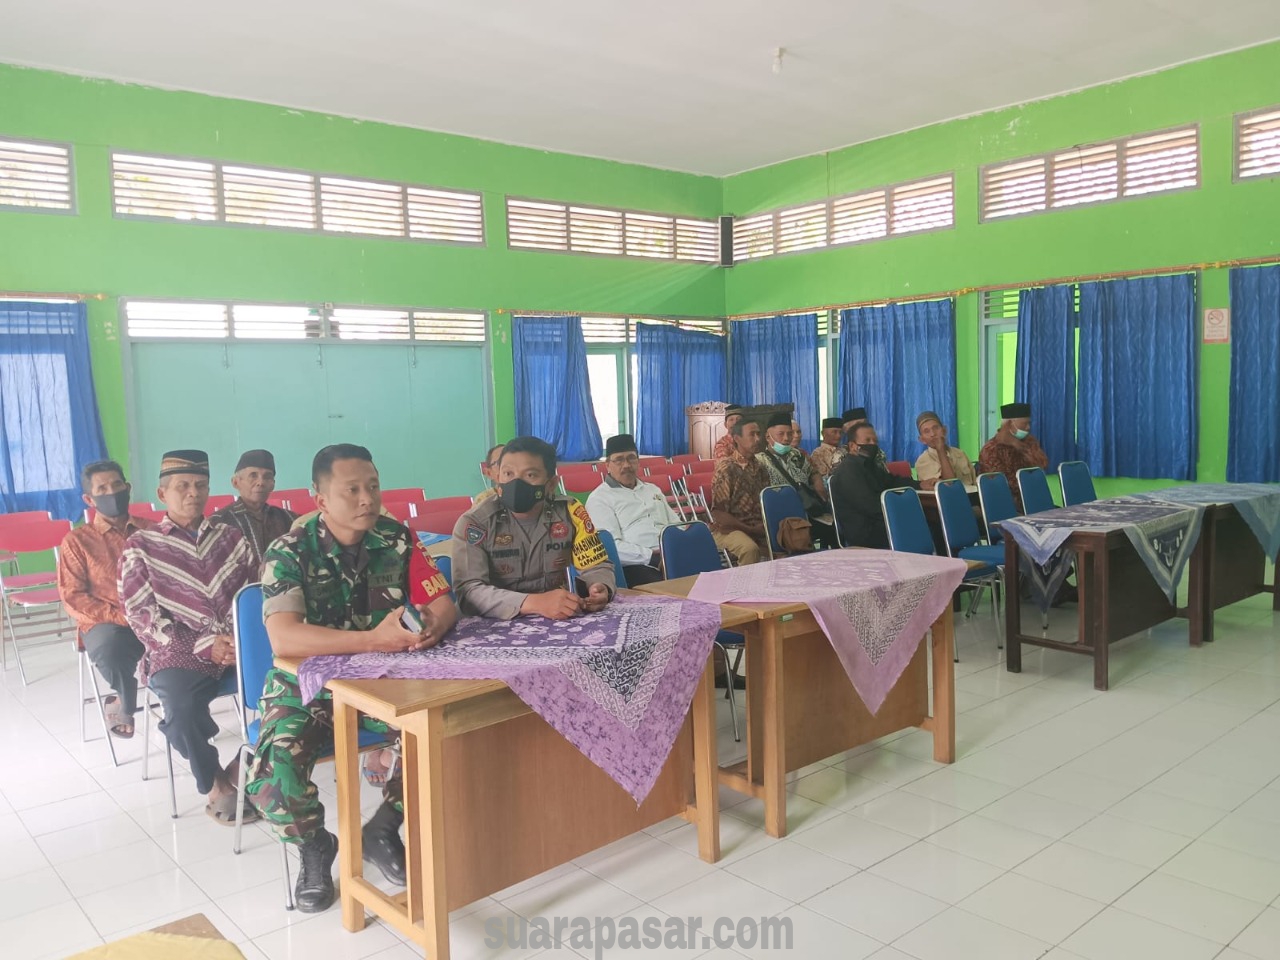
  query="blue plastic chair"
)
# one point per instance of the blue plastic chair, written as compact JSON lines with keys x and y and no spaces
{"x":777,"y":504}
{"x":835,"y":516}
{"x":961,"y":535}
{"x":611,"y":548}
{"x":997,"y":504}
{"x":1034,"y":487}
{"x":905,"y":521}
{"x":687,"y":550}
{"x":254,"y":658}
{"x":1077,"y":483}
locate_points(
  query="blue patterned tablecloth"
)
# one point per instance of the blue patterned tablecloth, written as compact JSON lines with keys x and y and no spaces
{"x":1257,"y":503}
{"x":1164,"y":534}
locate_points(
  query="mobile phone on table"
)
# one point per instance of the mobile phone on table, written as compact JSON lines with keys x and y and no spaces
{"x":411,"y":620}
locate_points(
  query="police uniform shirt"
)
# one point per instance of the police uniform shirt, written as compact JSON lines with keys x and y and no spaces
{"x":498,"y":559}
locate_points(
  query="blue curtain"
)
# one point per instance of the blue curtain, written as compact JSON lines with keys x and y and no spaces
{"x":897,"y":361}
{"x":553,"y":391}
{"x":775,"y":360}
{"x":1253,"y":433}
{"x":49,"y":425}
{"x":1138,"y":406}
{"x":1046,"y":367}
{"x":674,"y":369}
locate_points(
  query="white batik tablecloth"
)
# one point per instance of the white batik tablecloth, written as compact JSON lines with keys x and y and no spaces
{"x":873,"y":605}
{"x":1163,"y":534}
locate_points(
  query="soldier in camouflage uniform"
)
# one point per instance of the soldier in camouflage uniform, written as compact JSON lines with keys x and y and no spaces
{"x":511,"y":552}
{"x":336,"y":583}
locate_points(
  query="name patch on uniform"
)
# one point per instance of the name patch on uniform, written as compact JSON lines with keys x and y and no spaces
{"x":559,"y":530}
{"x":476,"y":534}
{"x":388,"y":579}
{"x":504,"y":553}
{"x":502,"y":540}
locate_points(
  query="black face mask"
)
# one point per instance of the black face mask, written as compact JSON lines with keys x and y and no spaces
{"x":520,"y":496}
{"x":112,"y":504}
{"x":869,"y":450}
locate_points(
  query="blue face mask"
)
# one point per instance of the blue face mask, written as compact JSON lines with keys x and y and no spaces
{"x":1022,"y":434}
{"x":781,"y":448}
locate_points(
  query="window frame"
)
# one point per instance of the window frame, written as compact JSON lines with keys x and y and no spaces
{"x":1237,"y":123}
{"x":72,"y":192}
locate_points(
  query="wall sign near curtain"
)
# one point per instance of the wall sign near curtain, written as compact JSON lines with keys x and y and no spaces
{"x":1217,"y":325}
{"x":49,"y":425}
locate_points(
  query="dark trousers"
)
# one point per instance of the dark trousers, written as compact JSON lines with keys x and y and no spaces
{"x":641,"y":573}
{"x":115,"y":651}
{"x":187,"y":723}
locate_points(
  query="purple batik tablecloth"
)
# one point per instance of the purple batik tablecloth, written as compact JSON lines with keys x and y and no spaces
{"x":1257,"y":503}
{"x":616,"y":684}
{"x":1164,"y":535}
{"x":873,"y":605}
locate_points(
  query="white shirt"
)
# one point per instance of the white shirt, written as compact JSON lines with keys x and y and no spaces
{"x":634,"y":517}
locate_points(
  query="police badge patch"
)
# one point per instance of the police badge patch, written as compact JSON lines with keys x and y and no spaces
{"x":475,"y":534}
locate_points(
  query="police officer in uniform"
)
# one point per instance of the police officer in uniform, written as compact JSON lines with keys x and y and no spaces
{"x":512,"y":551}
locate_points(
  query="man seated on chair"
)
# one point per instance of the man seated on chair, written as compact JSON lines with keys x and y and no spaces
{"x":724,"y":446}
{"x":87,"y":565}
{"x":336,"y":584}
{"x":632,"y":510}
{"x":178,"y":582}
{"x":832,"y":444}
{"x":512,"y":552}
{"x":856,"y":486}
{"x":795,"y":437}
{"x":940,"y":461}
{"x":848,"y":420}
{"x":259,"y":521}
{"x":489,"y":470}
{"x":789,"y":467}
{"x":1013,"y":447}
{"x":736,"y":485}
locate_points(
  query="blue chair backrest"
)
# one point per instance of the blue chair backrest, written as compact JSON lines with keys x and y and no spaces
{"x":611,"y":548}
{"x":254,"y":656}
{"x":776,"y":504}
{"x":904,"y":519}
{"x":997,"y":503}
{"x":959,"y":528}
{"x":1077,"y":483}
{"x":1034,"y":487}
{"x":688,"y":549}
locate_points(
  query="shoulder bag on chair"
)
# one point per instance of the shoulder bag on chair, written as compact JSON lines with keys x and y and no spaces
{"x":814,"y":505}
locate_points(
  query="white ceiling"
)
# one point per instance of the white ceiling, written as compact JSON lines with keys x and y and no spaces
{"x":681,"y":84}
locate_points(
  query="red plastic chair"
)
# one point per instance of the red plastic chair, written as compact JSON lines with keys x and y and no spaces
{"x":686,"y":458}
{"x":899,"y":468}
{"x":217,"y":502}
{"x":282,"y":498}
{"x":666,"y":470}
{"x":436,"y":521}
{"x":402,"y":495}
{"x":22,"y":516}
{"x":462,"y":504}
{"x":305,"y":503}
{"x":401,"y":510}
{"x":33,"y":594}
{"x":579,"y":478}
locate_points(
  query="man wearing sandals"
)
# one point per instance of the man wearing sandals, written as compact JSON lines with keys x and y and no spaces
{"x":87,"y":566}
{"x":177,"y":584}
{"x":337,"y":583}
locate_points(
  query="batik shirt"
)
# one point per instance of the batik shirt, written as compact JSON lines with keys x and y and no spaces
{"x":736,"y":488}
{"x":796,"y":465}
{"x":87,"y":566}
{"x":1009,"y":458}
{"x":177,"y":589}
{"x":723,"y":448}
{"x":258,"y":529}
{"x":824,"y":459}
{"x":308,"y":572}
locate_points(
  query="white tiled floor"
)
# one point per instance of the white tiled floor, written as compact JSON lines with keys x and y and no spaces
{"x":1143,"y":822}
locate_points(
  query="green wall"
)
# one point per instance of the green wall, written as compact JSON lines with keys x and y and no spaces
{"x":1219,"y":221}
{"x":93,"y":252}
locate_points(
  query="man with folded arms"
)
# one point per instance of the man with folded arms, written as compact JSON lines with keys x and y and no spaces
{"x":259,"y":521}
{"x":177,"y":583}
{"x":87,"y":565}
{"x":337,"y":583}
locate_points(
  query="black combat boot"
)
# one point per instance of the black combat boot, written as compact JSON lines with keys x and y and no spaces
{"x":314,"y":890}
{"x":382,"y":845}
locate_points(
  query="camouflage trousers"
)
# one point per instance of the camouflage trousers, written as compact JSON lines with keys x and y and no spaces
{"x":292,"y":737}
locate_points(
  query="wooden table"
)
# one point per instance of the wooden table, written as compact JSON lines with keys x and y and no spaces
{"x":802,"y":707}
{"x":1227,"y":566}
{"x":1107,"y":565}
{"x":494,"y":795}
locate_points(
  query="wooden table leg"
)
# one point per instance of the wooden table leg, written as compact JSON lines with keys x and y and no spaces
{"x":1093,"y":612}
{"x":1275,"y":583}
{"x":346,"y":725}
{"x":944,"y":687}
{"x":706,"y":792}
{"x":1200,"y":584}
{"x":428,"y":830}
{"x":410,"y":759}
{"x":775,"y":732}
{"x":1012,"y":607}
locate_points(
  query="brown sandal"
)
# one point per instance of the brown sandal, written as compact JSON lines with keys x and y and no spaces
{"x":118,"y":722}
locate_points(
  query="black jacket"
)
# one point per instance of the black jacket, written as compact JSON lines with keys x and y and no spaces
{"x":856,"y":486}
